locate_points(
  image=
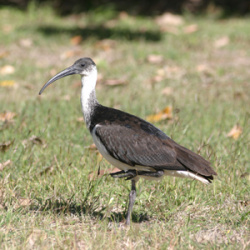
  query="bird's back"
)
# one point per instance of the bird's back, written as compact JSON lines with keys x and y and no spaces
{"x":136,"y":142}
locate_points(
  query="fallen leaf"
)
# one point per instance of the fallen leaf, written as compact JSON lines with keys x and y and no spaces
{"x":22,"y":202}
{"x":123,"y":15}
{"x":190,"y":28}
{"x":115,"y":82}
{"x":4,"y":54}
{"x":80,"y":119}
{"x":7,"y":28}
{"x":167,"y":91}
{"x":204,"y":68}
{"x":170,"y":72}
{"x":164,"y":114}
{"x":157,"y":78}
{"x":106,"y":44}
{"x":170,"y":29}
{"x":7,"y":116}
{"x":7,"y":83}
{"x":4,"y":146}
{"x":66,"y":97}
{"x":34,"y":140}
{"x":111,"y":23}
{"x":155,"y":59}
{"x":67,"y":54}
{"x":26,"y":42}
{"x":4,"y":164}
{"x":35,"y":236}
{"x":221,"y":42}
{"x":7,"y":69}
{"x":76,"y":40}
{"x":235,"y":132}
{"x":169,"y":19}
{"x":71,"y":53}
{"x":92,"y":147}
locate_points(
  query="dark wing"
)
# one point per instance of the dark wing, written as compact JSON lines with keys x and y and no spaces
{"x":135,"y":146}
{"x":134,"y":141}
{"x":193,"y":161}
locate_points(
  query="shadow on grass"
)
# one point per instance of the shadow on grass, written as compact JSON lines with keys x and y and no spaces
{"x":101,"y":32}
{"x":92,"y":209}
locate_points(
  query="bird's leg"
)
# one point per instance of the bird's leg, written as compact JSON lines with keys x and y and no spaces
{"x":132,"y":197}
{"x":122,"y":174}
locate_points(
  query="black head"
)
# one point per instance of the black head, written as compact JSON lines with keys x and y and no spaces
{"x":83,"y":66}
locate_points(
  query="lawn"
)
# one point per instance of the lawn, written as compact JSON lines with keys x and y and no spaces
{"x":50,"y":193}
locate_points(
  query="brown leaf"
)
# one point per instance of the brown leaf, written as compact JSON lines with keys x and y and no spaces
{"x":123,"y":15}
{"x":7,"y":28}
{"x":170,"y":29}
{"x":155,"y":59}
{"x":169,"y":19}
{"x":115,"y":82}
{"x":71,"y":53}
{"x":80,"y":119}
{"x":106,"y":44}
{"x":235,"y":132}
{"x":170,"y":72}
{"x":190,"y":28}
{"x":7,"y":83}
{"x":4,"y":164}
{"x":114,"y":170}
{"x":66,"y":97}
{"x":204,"y":68}
{"x":7,"y":116}
{"x":221,"y":42}
{"x":7,"y":69}
{"x":26,"y":42}
{"x":4,"y":53}
{"x":92,"y":147}
{"x":4,"y":146}
{"x":167,"y":91}
{"x":164,"y":114}
{"x":34,"y":140}
{"x":157,"y":78}
{"x":22,"y":202}
{"x":76,"y":40}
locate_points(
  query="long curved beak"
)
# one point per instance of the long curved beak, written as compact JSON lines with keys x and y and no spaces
{"x":69,"y":71}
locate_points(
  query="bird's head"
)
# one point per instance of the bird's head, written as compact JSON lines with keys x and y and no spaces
{"x":83,"y":66}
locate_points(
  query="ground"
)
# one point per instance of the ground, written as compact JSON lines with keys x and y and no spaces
{"x":197,"y":67}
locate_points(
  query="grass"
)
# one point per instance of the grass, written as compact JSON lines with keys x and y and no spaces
{"x":47,"y":199}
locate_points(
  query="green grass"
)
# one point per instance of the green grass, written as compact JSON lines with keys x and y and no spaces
{"x":46,"y":197}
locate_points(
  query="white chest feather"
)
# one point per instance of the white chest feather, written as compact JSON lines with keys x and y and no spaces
{"x":88,"y":97}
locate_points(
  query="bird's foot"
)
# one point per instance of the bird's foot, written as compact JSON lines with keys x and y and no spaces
{"x":130,"y":174}
{"x":122,"y":174}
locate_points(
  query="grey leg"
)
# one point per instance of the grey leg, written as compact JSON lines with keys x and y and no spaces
{"x":132,"y":197}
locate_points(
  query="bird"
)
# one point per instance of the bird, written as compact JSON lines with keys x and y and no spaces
{"x":136,"y":147}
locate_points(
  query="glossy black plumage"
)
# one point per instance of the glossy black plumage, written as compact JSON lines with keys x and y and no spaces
{"x":134,"y":141}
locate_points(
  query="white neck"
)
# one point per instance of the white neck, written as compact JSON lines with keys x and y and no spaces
{"x":88,"y":97}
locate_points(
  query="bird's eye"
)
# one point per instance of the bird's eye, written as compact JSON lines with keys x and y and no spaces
{"x":82,"y":65}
